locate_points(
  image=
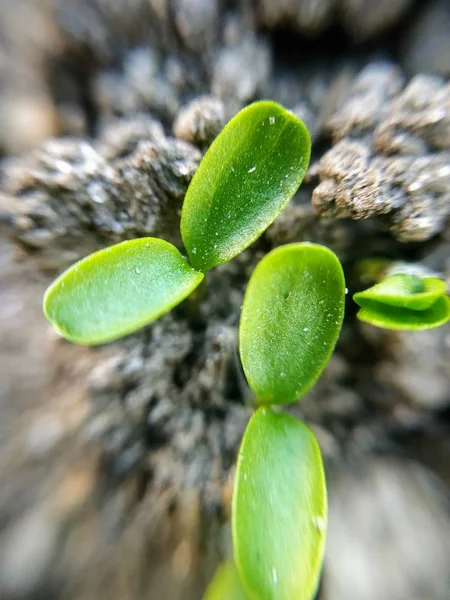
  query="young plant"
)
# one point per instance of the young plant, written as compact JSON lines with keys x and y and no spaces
{"x":245,"y":179}
{"x":291,"y":318}
{"x":405,"y":302}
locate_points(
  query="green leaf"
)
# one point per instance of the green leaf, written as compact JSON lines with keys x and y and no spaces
{"x":226,"y":584}
{"x":117,"y":290}
{"x":391,"y":317}
{"x":279,"y":511}
{"x":403,"y":290}
{"x":290,"y":321}
{"x":245,"y":179}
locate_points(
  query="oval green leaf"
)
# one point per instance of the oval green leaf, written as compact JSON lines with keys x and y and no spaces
{"x":403,"y":290}
{"x":290,"y":321}
{"x":248,"y":175}
{"x":279,"y":511}
{"x":226,"y":584}
{"x":392,"y":317}
{"x":118,"y":290}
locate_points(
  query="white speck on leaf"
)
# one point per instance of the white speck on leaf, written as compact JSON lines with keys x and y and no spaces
{"x":194,"y":250}
{"x":274,"y":576}
{"x":346,"y":290}
{"x":271,"y":120}
{"x":252,"y":170}
{"x":319,"y":524}
{"x":137,"y":270}
{"x":305,"y":329}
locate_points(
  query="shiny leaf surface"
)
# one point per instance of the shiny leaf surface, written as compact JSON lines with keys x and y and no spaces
{"x":248,"y":175}
{"x":279,"y":508}
{"x":118,"y":290}
{"x":403,"y":290}
{"x":391,"y":317}
{"x":290,"y":321}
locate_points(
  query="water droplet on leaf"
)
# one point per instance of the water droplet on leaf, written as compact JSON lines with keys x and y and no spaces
{"x":319,"y":523}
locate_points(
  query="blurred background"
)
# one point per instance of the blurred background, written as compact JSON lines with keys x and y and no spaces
{"x":117,"y":463}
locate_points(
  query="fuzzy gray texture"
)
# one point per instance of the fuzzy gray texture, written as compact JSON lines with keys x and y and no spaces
{"x":391,"y":154}
{"x":361,"y":18}
{"x":71,"y":196}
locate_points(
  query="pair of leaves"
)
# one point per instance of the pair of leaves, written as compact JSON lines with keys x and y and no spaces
{"x":245,"y":179}
{"x":405,"y":302}
{"x":291,"y":318}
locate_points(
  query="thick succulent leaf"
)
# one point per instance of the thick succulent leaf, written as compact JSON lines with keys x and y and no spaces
{"x":117,"y":290}
{"x":392,"y":317}
{"x":290,"y":321}
{"x":279,"y":510}
{"x":403,"y":290}
{"x":245,"y":179}
{"x":226,"y":584}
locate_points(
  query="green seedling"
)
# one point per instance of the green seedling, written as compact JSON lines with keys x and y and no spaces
{"x":245,"y":179}
{"x":405,"y":302}
{"x":290,"y":321}
{"x":291,"y":317}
